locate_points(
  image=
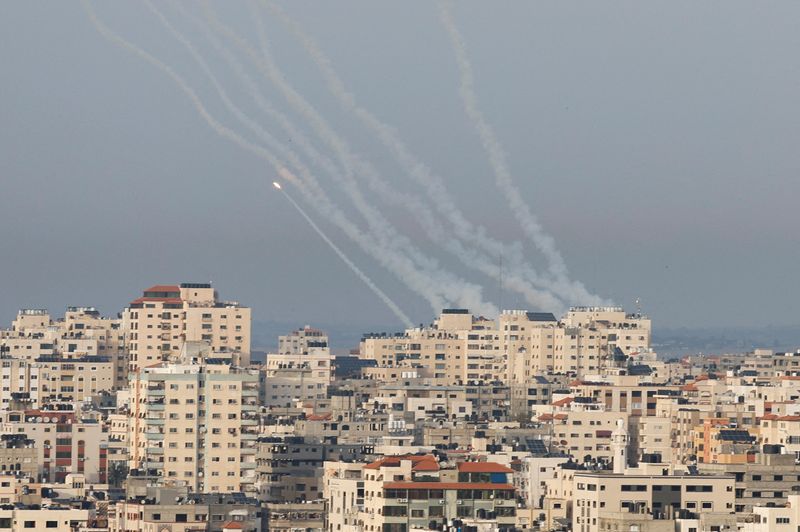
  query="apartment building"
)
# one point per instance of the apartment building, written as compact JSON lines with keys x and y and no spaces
{"x":35,"y":342}
{"x":18,"y":456}
{"x":149,"y":508}
{"x":774,"y":518}
{"x":289,"y":468}
{"x":768,"y":478}
{"x":302,"y":341}
{"x":456,"y":348}
{"x":403,"y":493}
{"x":195,"y":423}
{"x":343,"y":492}
{"x":64,"y":443}
{"x":603,"y":499}
{"x":301,"y":371}
{"x":70,"y":378}
{"x":20,"y":383}
{"x":116,"y":426}
{"x":583,"y":433}
{"x":585,"y":341}
{"x":57,"y":519}
{"x":158,"y":323}
{"x":420,"y":401}
{"x":82,"y":332}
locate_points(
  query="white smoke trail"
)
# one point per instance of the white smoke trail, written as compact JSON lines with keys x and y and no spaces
{"x":530,"y":225}
{"x":361,"y":275}
{"x":317,"y":194}
{"x":227,"y":133}
{"x":432,"y":282}
{"x":521,"y":277}
{"x":220,"y":129}
{"x":398,"y":264}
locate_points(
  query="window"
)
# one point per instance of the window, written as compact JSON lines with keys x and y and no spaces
{"x":634,"y":487}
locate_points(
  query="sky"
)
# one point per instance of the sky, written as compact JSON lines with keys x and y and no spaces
{"x":656,"y":142}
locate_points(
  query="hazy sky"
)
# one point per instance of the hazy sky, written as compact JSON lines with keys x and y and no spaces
{"x":657,"y":142}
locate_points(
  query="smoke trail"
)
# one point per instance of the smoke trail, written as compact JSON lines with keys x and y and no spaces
{"x":530,"y":225}
{"x":227,"y":133}
{"x":361,"y":275}
{"x":398,"y":264}
{"x":318,"y":193}
{"x":433,"y":283}
{"x":354,"y":164}
{"x":190,"y":93}
{"x":521,"y":277}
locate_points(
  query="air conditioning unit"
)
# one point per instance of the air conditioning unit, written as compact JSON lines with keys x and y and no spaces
{"x":402,"y":500}
{"x":441,"y":501}
{"x":459,"y":501}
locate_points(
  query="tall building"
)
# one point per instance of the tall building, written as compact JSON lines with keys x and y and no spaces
{"x":195,"y":424}
{"x":166,"y":316}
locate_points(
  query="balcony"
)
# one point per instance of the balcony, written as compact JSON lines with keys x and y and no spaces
{"x":154,"y":435}
{"x":154,"y":450}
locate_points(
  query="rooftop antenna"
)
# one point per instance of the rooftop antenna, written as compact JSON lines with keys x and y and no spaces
{"x":500,"y":282}
{"x":638,"y":306}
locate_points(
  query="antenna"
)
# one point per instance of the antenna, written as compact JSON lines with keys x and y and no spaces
{"x":500,"y":282}
{"x":638,"y":306}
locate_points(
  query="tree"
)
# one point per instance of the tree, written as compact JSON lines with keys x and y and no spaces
{"x":117,"y":473}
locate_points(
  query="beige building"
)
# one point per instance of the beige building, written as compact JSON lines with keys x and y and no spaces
{"x":195,"y":424}
{"x":602,"y":499}
{"x":456,"y":348}
{"x":404,"y":493}
{"x":20,"y":383}
{"x":158,"y":323}
{"x":301,"y":371}
{"x":775,"y":518}
{"x":515,"y":349}
{"x":41,"y":344}
{"x":302,"y":341}
{"x":584,"y":342}
{"x":56,"y":519}
{"x":64,"y":443}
